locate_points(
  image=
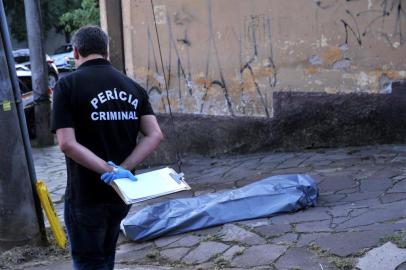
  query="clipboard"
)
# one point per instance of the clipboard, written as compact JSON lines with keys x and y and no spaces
{"x":150,"y":185}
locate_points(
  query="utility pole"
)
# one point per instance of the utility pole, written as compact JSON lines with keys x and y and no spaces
{"x":112,"y":23}
{"x":39,"y":71}
{"x":21,"y":219}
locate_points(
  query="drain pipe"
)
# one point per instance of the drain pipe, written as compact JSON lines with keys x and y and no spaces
{"x":21,"y":117}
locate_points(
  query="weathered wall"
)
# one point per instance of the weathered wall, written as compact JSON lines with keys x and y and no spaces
{"x":302,"y":120}
{"x":228,"y":57}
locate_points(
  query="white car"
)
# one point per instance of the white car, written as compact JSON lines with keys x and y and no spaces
{"x":27,"y":96}
{"x":63,"y":58}
{"x":22,"y":58}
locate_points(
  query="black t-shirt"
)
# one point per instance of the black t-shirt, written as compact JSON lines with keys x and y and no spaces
{"x":104,"y":107}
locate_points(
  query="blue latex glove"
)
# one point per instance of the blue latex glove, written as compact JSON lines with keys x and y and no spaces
{"x":116,"y":173}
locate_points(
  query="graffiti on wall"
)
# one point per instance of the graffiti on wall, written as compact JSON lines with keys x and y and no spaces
{"x":382,"y":17}
{"x":210,"y":91}
{"x":231,"y":69}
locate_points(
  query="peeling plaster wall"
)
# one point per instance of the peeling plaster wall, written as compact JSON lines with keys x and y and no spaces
{"x":228,"y":57}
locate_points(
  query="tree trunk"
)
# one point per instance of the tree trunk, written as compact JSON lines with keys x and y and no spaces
{"x":21,"y":220}
{"x":39,"y":71}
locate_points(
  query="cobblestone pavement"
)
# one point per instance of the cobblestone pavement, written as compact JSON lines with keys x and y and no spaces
{"x":360,"y":220}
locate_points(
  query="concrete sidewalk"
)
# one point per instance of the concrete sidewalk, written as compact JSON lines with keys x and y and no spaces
{"x":360,"y":220}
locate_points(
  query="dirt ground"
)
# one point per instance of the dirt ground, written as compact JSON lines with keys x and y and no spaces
{"x":28,"y":256}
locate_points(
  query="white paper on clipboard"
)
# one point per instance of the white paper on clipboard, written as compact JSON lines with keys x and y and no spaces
{"x":150,"y":185}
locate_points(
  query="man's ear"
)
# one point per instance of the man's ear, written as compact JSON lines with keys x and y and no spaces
{"x":75,"y":53}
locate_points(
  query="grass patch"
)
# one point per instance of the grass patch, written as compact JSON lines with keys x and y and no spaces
{"x":398,"y":239}
{"x":342,"y":263}
{"x":221,"y":263}
{"x":152,"y":255}
{"x":212,"y":237}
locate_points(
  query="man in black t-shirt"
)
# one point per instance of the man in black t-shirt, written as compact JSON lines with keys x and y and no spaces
{"x":97,"y":114}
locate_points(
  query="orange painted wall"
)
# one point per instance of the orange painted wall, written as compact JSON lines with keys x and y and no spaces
{"x":227,"y":57}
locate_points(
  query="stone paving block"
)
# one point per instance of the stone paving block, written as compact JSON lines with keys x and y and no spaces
{"x":400,"y":177}
{"x":285,"y":239}
{"x":337,"y":183}
{"x":401,"y":266}
{"x":146,"y":267}
{"x":233,"y":233}
{"x":375,"y":184}
{"x":364,"y":196}
{"x":401,"y":221}
{"x":174,"y":254}
{"x":130,"y":247}
{"x":330,"y":199}
{"x":232,"y":251}
{"x":381,"y":213}
{"x":347,"y":243}
{"x":66,"y":265}
{"x":167,"y":240}
{"x":388,"y":172}
{"x":132,"y":255}
{"x":305,"y":239}
{"x":309,"y":214}
{"x":250,"y":179}
{"x":387,"y":256}
{"x":331,"y":170}
{"x":346,"y":163}
{"x":317,"y":177}
{"x":236,"y":174}
{"x":204,"y":252}
{"x":233,"y":268}
{"x":263,"y":268}
{"x":273,"y":230}
{"x":277,"y":158}
{"x":204,"y":179}
{"x":208,"y":231}
{"x":399,"y":187}
{"x":203,"y":192}
{"x":187,"y":241}
{"x":316,"y":161}
{"x":400,"y":159}
{"x":204,"y":266}
{"x":398,"y":148}
{"x":386,"y":228}
{"x":338,"y":220}
{"x":300,"y":258}
{"x":253,"y":223}
{"x":352,"y":190}
{"x":294,"y":170}
{"x":251,"y":164}
{"x":292,"y":163}
{"x":347,"y":210}
{"x":258,"y":256}
{"x":314,"y":226}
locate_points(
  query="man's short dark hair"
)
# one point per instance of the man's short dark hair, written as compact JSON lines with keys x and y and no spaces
{"x":90,"y":40}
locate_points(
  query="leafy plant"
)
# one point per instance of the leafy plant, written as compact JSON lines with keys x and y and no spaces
{"x":51,"y":10}
{"x":87,"y":14}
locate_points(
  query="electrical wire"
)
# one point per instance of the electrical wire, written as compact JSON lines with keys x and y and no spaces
{"x":178,"y":156}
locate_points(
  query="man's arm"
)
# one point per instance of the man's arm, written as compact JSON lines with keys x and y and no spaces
{"x":152,"y":137}
{"x":80,"y":154}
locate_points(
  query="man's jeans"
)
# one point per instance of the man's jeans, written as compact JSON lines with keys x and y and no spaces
{"x":93,"y":233}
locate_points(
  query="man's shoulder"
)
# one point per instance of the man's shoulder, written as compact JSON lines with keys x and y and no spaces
{"x":132,"y":82}
{"x":66,"y":77}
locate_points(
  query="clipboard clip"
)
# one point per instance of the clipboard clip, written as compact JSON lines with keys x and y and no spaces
{"x":178,"y":177}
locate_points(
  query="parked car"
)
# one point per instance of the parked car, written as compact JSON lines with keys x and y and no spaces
{"x":63,"y":58}
{"x":27,"y":96}
{"x":22,"y":58}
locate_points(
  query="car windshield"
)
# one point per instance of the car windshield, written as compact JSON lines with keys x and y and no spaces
{"x":21,"y":58}
{"x":64,"y":49}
